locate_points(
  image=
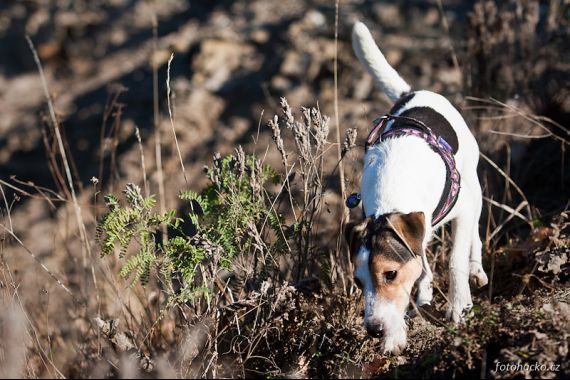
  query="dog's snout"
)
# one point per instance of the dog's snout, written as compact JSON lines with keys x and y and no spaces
{"x":374,"y":328}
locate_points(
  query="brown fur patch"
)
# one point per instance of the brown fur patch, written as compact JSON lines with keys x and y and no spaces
{"x":395,"y":242}
{"x":399,"y":289}
{"x":391,"y":235}
{"x":410,"y":228}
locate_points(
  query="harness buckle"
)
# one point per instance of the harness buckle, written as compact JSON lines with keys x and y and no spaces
{"x":441,"y":141}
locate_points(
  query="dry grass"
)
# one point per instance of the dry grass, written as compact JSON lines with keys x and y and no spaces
{"x":305,"y":329}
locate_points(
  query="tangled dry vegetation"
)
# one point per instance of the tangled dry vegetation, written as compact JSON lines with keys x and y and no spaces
{"x":246,"y":274}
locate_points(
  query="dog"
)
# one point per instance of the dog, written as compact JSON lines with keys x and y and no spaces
{"x":420,"y":172}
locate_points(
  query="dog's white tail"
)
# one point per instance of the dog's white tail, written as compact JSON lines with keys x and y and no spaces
{"x":373,"y":60}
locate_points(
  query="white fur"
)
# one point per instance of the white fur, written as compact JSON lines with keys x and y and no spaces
{"x":377,"y":310}
{"x":405,"y":175}
{"x":372,"y":58}
{"x":425,"y":287}
{"x":394,"y":326}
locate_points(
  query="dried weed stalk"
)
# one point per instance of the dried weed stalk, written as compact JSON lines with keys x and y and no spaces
{"x":310,"y":135}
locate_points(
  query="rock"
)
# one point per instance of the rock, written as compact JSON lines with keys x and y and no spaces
{"x":280,"y":83}
{"x":315,"y":18}
{"x":388,"y":15}
{"x":293,"y":64}
{"x":219,"y":59}
{"x":200,"y":99}
{"x":363,"y":87}
{"x":449,"y":76}
{"x":431,"y":16}
{"x":260,"y":36}
{"x":394,"y":56}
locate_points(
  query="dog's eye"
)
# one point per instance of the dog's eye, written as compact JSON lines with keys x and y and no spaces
{"x":357,"y":282}
{"x":391,"y":275}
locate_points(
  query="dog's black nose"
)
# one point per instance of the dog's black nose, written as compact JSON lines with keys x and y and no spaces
{"x":374,"y":329}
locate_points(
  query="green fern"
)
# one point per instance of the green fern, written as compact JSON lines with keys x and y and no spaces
{"x":133,"y":222}
{"x":225,"y":215}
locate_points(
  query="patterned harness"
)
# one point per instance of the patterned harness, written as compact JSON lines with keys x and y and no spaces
{"x":407,"y":126}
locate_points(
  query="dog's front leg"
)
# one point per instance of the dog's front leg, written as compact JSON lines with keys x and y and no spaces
{"x":459,"y":291}
{"x":425,"y":287}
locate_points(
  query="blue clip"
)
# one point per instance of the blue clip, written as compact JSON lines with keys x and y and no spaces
{"x":441,"y":141}
{"x":353,"y":200}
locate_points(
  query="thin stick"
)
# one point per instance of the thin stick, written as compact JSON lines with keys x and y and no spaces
{"x":346,"y":213}
{"x":172,"y":119}
{"x":520,"y":135}
{"x":15,"y":237}
{"x":517,"y":188}
{"x":273,"y":205}
{"x":81,"y":225}
{"x":30,"y":322}
{"x":157,"y":137}
{"x":256,"y":138}
{"x":53,"y":166}
{"x":533,"y":119}
{"x":492,"y":253}
{"x":58,"y":198}
{"x":7,"y":208}
{"x":512,"y":214}
{"x":446,"y":28}
{"x":510,"y":210}
{"x":138,"y":135}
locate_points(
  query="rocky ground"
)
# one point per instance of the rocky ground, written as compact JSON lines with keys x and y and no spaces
{"x":505,"y":67}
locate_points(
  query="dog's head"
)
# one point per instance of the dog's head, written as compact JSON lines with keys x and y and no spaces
{"x":386,"y":254}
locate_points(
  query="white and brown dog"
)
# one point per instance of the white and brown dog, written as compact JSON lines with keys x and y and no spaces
{"x":420,"y":172}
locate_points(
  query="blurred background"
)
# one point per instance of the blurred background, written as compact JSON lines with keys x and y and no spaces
{"x":233,"y":60}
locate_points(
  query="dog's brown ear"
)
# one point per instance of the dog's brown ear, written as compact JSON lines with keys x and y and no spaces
{"x":353,"y":233}
{"x":410,"y":228}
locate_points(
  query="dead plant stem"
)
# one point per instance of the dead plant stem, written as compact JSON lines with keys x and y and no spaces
{"x":157,"y":136}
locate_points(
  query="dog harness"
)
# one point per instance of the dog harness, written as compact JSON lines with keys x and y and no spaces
{"x":408,"y":126}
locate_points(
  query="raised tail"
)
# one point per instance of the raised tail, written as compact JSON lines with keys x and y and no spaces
{"x":373,"y":60}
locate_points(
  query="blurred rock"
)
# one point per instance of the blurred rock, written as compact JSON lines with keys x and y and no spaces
{"x":363,"y":86}
{"x":219,"y":59}
{"x":201,"y":100}
{"x":315,"y":18}
{"x":280,"y":83}
{"x":431,"y":17}
{"x":388,"y":15}
{"x":293,"y":64}
{"x":450,"y":76}
{"x":260,"y":36}
{"x":394,"y":56}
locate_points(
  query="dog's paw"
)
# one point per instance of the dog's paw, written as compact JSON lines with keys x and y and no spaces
{"x":454,"y":315}
{"x":425,"y":294}
{"x":456,"y":312}
{"x":395,"y":343}
{"x":424,"y":299}
{"x":477,"y":276}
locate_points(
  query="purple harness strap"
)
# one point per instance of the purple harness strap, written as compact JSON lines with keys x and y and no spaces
{"x":414,"y":127}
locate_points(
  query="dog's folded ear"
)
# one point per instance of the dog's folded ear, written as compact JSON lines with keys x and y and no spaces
{"x":354,"y":232}
{"x":410,"y":228}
